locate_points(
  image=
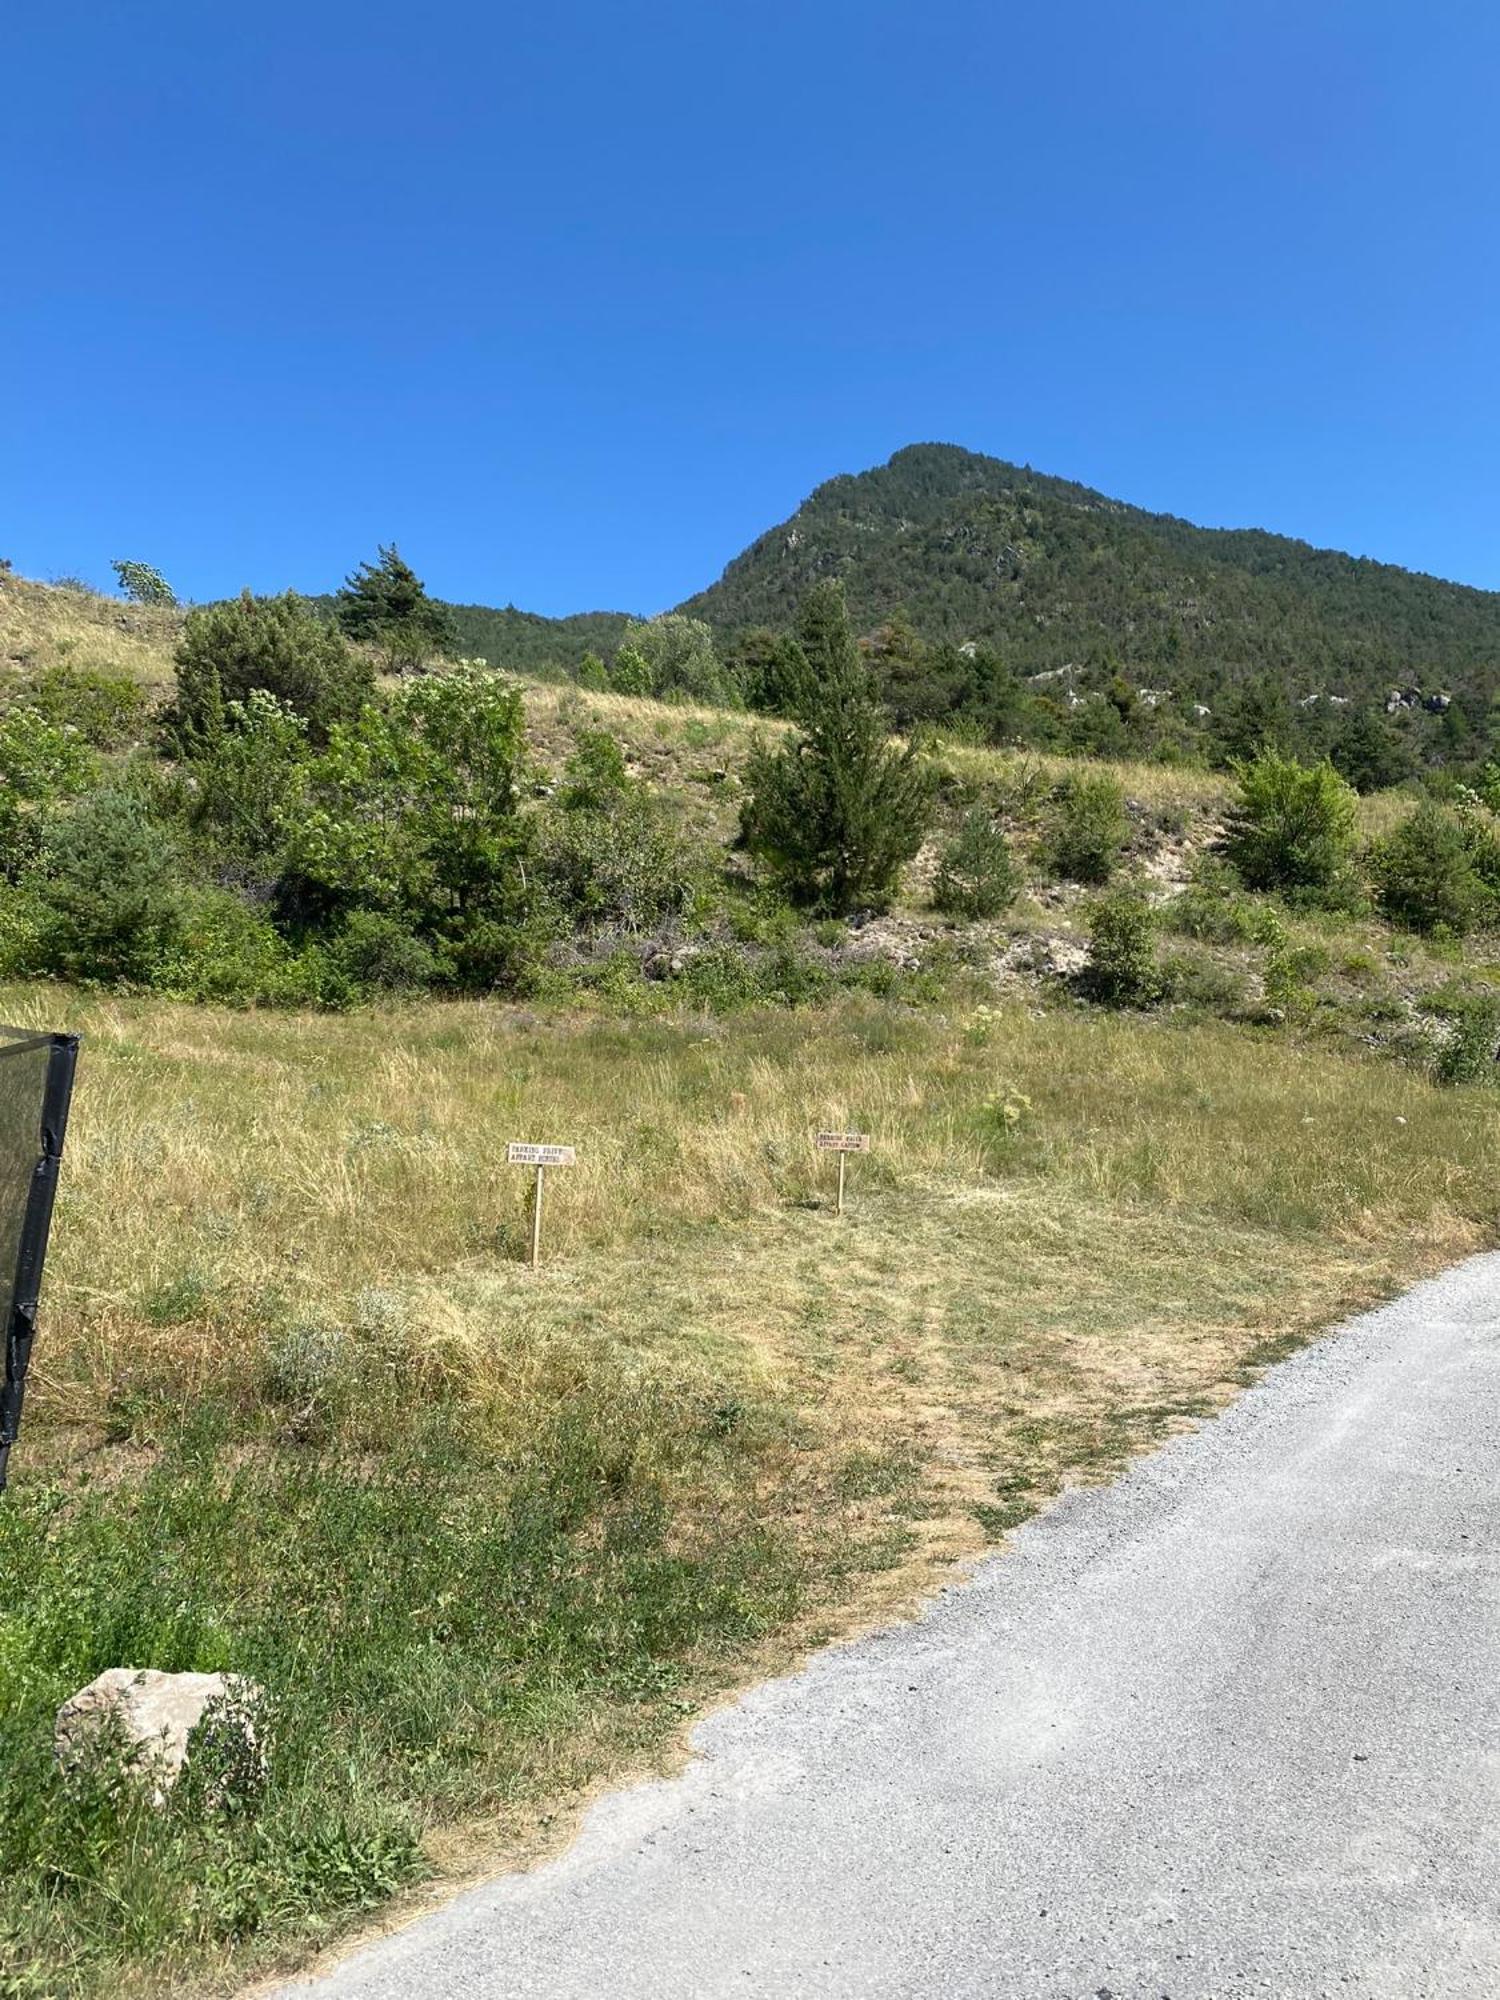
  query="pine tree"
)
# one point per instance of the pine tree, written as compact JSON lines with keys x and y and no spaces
{"x":386,"y":604}
{"x":835,"y":814}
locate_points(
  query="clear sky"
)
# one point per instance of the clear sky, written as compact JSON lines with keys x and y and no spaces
{"x":573,"y":300}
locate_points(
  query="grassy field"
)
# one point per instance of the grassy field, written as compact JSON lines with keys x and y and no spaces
{"x":488,"y":1535}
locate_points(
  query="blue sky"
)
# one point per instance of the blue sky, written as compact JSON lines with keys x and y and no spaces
{"x":574,"y":301}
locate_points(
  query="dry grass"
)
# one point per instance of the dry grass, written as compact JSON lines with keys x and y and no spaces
{"x":47,"y":625}
{"x":1072,"y":1228}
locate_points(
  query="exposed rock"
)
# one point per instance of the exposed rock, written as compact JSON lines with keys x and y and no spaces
{"x":155,"y":1720}
{"x":1043,"y":955}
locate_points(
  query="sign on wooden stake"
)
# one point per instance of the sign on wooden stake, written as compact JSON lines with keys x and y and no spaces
{"x":520,"y":1153}
{"x":842,"y":1143}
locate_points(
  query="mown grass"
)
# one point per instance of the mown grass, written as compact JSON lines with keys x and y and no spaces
{"x":299,"y":1408}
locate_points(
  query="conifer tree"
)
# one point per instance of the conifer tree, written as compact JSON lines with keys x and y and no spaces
{"x":835,"y":814}
{"x":386,"y":604}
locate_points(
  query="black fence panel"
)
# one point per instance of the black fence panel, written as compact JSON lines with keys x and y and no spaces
{"x":36,"y":1086}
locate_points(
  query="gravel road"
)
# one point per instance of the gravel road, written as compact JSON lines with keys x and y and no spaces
{"x":1228,"y":1727}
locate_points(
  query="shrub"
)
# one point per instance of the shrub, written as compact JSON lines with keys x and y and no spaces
{"x":278,"y":644}
{"x":1121,"y":969}
{"x":627,"y":867}
{"x":1425,"y":874}
{"x":42,"y":764}
{"x":1088,"y":828}
{"x":835,"y":815}
{"x":378,"y":953}
{"x":1292,"y":826}
{"x":246,"y":782}
{"x":106,"y":710}
{"x":228,"y":953}
{"x":1196,"y":980}
{"x":593,"y":674}
{"x":1467,"y":1055}
{"x":596,"y":776}
{"x":1215,"y":909}
{"x":113,"y":910}
{"x":631,"y":672}
{"x":977,"y":875}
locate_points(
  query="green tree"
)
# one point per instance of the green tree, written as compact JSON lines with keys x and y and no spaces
{"x":977,"y":875}
{"x":771,"y":671}
{"x":385,"y":604}
{"x":142,"y":584}
{"x":630,"y":672}
{"x":109,"y":884}
{"x":1427,"y":872}
{"x":1255,"y":716}
{"x":1292,"y":826}
{"x":1088,"y":828}
{"x":835,"y":814}
{"x":1369,"y":753}
{"x":277,"y":644}
{"x":680,"y":659}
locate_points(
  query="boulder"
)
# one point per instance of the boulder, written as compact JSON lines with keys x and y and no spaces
{"x":154,"y":1722}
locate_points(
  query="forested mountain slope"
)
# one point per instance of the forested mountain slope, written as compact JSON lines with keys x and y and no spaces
{"x":1054,"y":574}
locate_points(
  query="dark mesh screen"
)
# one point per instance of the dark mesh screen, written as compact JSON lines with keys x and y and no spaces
{"x":36,"y":1082}
{"x":23,"y":1089}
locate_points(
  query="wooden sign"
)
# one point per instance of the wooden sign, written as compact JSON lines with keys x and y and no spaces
{"x":520,"y":1153}
{"x":842,"y":1143}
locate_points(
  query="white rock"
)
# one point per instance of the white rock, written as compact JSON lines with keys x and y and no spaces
{"x":152,"y":1717}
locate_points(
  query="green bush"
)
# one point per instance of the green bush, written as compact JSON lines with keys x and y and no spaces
{"x":1425,"y":872}
{"x":595,"y":777}
{"x":1467,"y":1053}
{"x":833,"y":816}
{"x":977,"y":875}
{"x":1193,"y":979}
{"x":106,"y":710}
{"x":1121,"y":970}
{"x":680,"y":661}
{"x":228,"y":953}
{"x":1293,"y":825}
{"x":1088,"y":829}
{"x":278,"y":644}
{"x":624,"y":867}
{"x":631,"y":672}
{"x":376,"y":952}
{"x":109,"y":881}
{"x":42,"y":765}
{"x":244,"y":784}
{"x":1215,"y":908}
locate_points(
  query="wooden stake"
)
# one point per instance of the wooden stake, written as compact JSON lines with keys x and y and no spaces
{"x":522,"y":1153}
{"x":840,"y":1208}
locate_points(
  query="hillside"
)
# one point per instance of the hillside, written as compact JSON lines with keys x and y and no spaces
{"x":488,"y":1535}
{"x":1054,"y":574}
{"x":524,"y":642}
